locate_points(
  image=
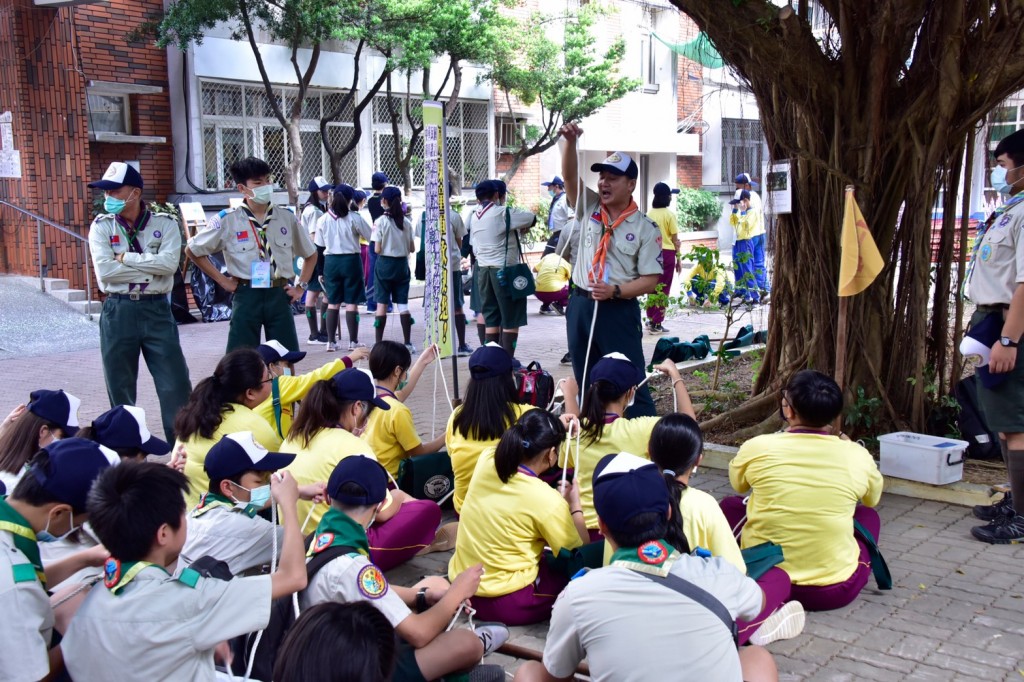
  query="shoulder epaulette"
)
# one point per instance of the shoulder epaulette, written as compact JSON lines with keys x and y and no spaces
{"x":24,"y":573}
{"x":189,"y":577}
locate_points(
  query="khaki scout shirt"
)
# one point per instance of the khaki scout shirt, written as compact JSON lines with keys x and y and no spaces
{"x":352,"y":578}
{"x":160,"y":243}
{"x":231,"y":535}
{"x":237,"y":239}
{"x":27,"y":625}
{"x":394,"y":242}
{"x":487,"y":234}
{"x":635,"y":246}
{"x":999,"y":264}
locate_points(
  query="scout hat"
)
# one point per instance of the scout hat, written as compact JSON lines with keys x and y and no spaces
{"x":118,"y":175}
{"x":237,"y":453}
{"x":352,"y":384}
{"x":626,"y":486}
{"x":273,"y":351}
{"x":661,"y":189}
{"x":488,"y":361}
{"x":319,"y":183}
{"x":124,"y":426}
{"x":618,"y":370}
{"x":56,"y":407}
{"x":71,"y":467}
{"x":364,"y":472}
{"x":557,"y":181}
{"x":619,"y":163}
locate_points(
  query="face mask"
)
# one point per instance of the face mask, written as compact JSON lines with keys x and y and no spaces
{"x":998,"y":180}
{"x":632,"y":399}
{"x":262,"y":194}
{"x":372,"y":518}
{"x":46,"y":536}
{"x":113,"y":205}
{"x":286,"y":372}
{"x":403,"y":382}
{"x":258,"y":497}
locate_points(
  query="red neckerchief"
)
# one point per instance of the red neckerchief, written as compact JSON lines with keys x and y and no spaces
{"x":601,"y":254}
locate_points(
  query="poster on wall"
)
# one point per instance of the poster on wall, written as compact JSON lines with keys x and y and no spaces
{"x":778,"y":188}
{"x":437,"y":294}
{"x":10,"y":158}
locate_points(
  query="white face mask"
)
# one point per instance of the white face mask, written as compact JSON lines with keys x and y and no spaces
{"x":286,"y":372}
{"x":632,"y":399}
{"x":46,"y":536}
{"x":262,"y":194}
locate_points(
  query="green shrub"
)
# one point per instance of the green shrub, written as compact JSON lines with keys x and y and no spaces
{"x":696,"y":208}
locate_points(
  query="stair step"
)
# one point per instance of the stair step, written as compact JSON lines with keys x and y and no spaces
{"x":83,"y":307}
{"x":54,"y":284}
{"x":68,"y":295}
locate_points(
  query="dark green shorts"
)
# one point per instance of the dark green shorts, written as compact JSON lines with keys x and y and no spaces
{"x":406,"y":668}
{"x":499,"y":309}
{"x":1003,"y":405}
{"x":391,"y":279}
{"x":343,"y":279}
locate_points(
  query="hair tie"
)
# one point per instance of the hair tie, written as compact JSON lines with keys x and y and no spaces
{"x":526,"y":444}
{"x":669,"y":472}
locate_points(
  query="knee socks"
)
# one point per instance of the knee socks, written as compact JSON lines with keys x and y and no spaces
{"x":481,"y":331}
{"x":352,"y":320}
{"x":1015,"y":465}
{"x":1004,"y":451}
{"x":332,"y":324}
{"x":492,"y":338}
{"x":460,"y":328}
{"x":508,"y":342}
{"x":311,"y":318}
{"x":378,"y":327}
{"x":406,"y":320}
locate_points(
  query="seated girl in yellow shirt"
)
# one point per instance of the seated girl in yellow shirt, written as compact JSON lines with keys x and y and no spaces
{"x":697,"y":521}
{"x":510,"y":515}
{"x":322,"y":435}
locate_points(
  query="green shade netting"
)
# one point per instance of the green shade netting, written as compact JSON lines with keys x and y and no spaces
{"x":699,"y":50}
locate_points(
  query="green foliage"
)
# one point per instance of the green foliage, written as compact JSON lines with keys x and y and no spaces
{"x":695,"y":208}
{"x":862,"y":414}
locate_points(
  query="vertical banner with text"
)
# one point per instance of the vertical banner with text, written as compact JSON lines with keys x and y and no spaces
{"x":437,"y":294}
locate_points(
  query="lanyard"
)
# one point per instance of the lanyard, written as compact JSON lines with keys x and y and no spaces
{"x":527,"y":470}
{"x":390,"y":394}
{"x":609,"y":417}
{"x":132,"y":236}
{"x":117,"y":575}
{"x":816,"y":432}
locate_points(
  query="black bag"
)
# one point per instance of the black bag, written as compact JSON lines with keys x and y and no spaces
{"x":534,"y":385}
{"x":282,"y":617}
{"x":518,"y":278}
{"x":428,"y":477}
{"x":984,"y":443}
{"x":213,"y":301}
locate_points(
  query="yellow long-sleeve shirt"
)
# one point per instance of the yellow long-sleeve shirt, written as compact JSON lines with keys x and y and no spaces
{"x":721,"y":276}
{"x":748,"y":224}
{"x":294,"y":389}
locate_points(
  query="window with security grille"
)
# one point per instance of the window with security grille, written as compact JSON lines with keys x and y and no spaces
{"x":1000,"y":122}
{"x":742,"y":148}
{"x":238,"y":121}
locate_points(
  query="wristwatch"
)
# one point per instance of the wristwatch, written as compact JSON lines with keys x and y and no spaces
{"x":1007,"y":341}
{"x":618,"y":291}
{"x":303,"y":285}
{"x":421,"y":600}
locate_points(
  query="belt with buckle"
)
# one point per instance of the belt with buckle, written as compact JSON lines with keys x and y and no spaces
{"x":278,"y":283}
{"x":137,"y":296}
{"x":585,"y":293}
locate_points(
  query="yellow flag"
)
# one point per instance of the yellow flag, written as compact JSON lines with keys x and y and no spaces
{"x":861,"y":261}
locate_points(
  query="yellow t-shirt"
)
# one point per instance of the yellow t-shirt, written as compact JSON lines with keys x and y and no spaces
{"x":553,"y":273}
{"x":622,"y":435}
{"x":665,"y":219}
{"x":391,"y":434}
{"x":705,"y":525}
{"x":465,"y":452}
{"x":238,"y":418}
{"x":294,"y":389}
{"x":506,"y":526}
{"x":315,"y":462}
{"x":804,"y":491}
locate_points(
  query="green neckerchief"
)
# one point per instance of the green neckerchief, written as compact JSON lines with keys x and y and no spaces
{"x":655,"y":557}
{"x":24,"y":537}
{"x":116,"y":575}
{"x":208,"y":501}
{"x":337,"y":528}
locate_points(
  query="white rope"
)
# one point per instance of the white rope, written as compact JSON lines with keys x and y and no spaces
{"x":89,"y":582}
{"x":470,"y":612}
{"x":444,"y":381}
{"x":433,"y":418}
{"x":555,"y":393}
{"x":305,"y":523}
{"x":273,"y":569}
{"x":568,"y":448}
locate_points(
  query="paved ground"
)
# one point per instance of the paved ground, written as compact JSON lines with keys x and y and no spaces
{"x":956,"y":611}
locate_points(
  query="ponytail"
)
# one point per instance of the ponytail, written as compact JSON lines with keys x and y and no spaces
{"x":675,"y":446}
{"x":595,"y":401}
{"x":339,"y":204}
{"x":674,"y":534}
{"x":237,"y":372}
{"x":535,"y":432}
{"x":319,"y":410}
{"x":396,"y":214}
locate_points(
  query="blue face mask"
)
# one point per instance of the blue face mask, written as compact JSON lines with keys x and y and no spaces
{"x":258,"y":497}
{"x":46,"y":536}
{"x":998,"y":180}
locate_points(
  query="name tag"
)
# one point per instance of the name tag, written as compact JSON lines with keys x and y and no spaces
{"x":260,"y":275}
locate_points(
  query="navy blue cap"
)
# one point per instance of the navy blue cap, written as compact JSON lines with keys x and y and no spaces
{"x":743,"y":179}
{"x":618,"y":163}
{"x":500,"y":186}
{"x":363,"y":471}
{"x":124,"y":426}
{"x":56,"y":407}
{"x":319,"y":183}
{"x":488,"y":361}
{"x":744,"y":194}
{"x":359,"y":195}
{"x":618,"y":370}
{"x":274,"y":351}
{"x":346,"y":191}
{"x":554,"y":181}
{"x":72,"y":465}
{"x":390,"y":194}
{"x":664,"y":190}
{"x":380,"y":177}
{"x":626,"y":486}
{"x":236,"y":453}
{"x":354,"y":384}
{"x":118,"y":175}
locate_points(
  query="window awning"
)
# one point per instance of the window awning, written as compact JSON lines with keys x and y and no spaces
{"x":699,"y":50}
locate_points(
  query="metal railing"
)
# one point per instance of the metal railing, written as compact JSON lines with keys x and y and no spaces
{"x":83,"y":244}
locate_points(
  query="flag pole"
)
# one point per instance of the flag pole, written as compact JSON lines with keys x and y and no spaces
{"x":841,"y":333}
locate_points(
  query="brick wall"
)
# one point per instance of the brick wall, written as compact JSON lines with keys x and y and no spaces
{"x":46,"y":58}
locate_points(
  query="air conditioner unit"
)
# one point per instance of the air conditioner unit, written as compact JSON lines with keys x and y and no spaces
{"x":56,"y":4}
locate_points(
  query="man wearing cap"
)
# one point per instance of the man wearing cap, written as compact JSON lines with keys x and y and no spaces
{"x":630,"y":619}
{"x":286,"y":389}
{"x":617,"y":259}
{"x":357,"y":489}
{"x":260,"y":244}
{"x":316,"y":206}
{"x":663,"y":213}
{"x":47,"y":504}
{"x":135,"y":253}
{"x":745,"y":220}
{"x":226,"y":524}
{"x":494,"y":233}
{"x":745,"y":183}
{"x":559,"y":214}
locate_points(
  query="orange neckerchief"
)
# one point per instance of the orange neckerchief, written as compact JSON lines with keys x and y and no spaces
{"x":601,"y":254}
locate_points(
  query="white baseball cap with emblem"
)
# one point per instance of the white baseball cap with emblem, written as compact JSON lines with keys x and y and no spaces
{"x":618,"y":163}
{"x":118,"y":175}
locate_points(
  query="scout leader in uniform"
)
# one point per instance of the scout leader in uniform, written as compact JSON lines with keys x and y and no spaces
{"x":617,"y":259}
{"x":260,"y":243}
{"x":135,"y":253}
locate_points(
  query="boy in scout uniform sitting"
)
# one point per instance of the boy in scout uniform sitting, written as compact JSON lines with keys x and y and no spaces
{"x":47,"y":504}
{"x":426,"y":652}
{"x":147,"y":625}
{"x":225,"y":524}
{"x":260,"y":243}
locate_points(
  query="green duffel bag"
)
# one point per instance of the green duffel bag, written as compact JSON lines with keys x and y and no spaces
{"x":428,"y":477}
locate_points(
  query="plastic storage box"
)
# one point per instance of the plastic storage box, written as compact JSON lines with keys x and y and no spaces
{"x":917,"y":457}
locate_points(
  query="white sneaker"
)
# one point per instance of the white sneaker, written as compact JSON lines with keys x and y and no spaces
{"x":492,"y":636}
{"x":787,"y":622}
{"x":331,"y":347}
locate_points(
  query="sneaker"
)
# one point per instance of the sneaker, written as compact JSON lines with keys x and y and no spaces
{"x":990,"y":512}
{"x":655,"y":328}
{"x":1004,"y":530}
{"x":352,"y":345}
{"x":465,"y":350}
{"x":331,"y":347}
{"x":492,"y":636}
{"x":322,"y":338}
{"x":787,"y":622}
{"x":545,"y":309}
{"x":315,"y":339}
{"x":444,"y":539}
{"x":559,"y":308}
{"x":566,"y":359}
{"x":487,"y":673}
{"x":411,"y":347}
